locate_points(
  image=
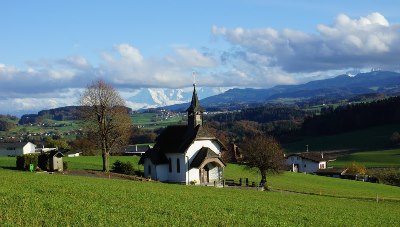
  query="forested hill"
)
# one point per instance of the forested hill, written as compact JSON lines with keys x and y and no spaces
{"x":353,"y":117}
{"x":58,"y":114}
{"x":262,"y":114}
{"x":62,"y":113}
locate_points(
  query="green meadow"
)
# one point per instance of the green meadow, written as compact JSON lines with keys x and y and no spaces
{"x":375,"y":138}
{"x":40,"y":199}
{"x":36,"y":199}
{"x":318,"y":185}
{"x":152,"y":121}
{"x":374,"y":159}
{"x":95,"y":162}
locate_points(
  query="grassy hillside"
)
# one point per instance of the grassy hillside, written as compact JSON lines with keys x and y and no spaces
{"x":67,"y":129}
{"x":375,"y":138}
{"x":384,"y":158}
{"x":312,"y":184}
{"x":154,"y":120}
{"x":294,"y":182}
{"x":60,"y":200}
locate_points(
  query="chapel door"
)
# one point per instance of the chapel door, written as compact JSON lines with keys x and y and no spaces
{"x":204,"y":175}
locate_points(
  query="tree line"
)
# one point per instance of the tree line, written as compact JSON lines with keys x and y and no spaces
{"x":353,"y":117}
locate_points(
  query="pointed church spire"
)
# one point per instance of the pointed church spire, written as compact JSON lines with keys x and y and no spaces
{"x":195,"y":111}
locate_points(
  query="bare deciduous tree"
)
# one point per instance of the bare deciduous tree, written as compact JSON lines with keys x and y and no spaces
{"x":106,"y":118}
{"x":265,"y":154}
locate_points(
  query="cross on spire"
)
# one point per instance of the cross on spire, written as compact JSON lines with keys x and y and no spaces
{"x":194,"y":78}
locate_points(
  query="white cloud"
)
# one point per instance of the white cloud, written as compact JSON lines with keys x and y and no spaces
{"x":261,"y":57}
{"x":347,"y":43}
{"x":129,"y":53}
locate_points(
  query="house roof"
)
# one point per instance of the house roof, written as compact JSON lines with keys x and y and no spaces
{"x":56,"y":153}
{"x":203,"y":154}
{"x":312,"y":156}
{"x":17,"y":144}
{"x":330,"y":171}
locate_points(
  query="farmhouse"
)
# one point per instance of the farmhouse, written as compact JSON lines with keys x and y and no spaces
{"x":309,"y":162}
{"x":185,"y":153}
{"x":14,"y":149}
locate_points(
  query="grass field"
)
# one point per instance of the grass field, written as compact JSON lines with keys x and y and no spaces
{"x":150,"y":120}
{"x":95,"y":162}
{"x":312,"y":184}
{"x":32,"y":199}
{"x":294,"y":182}
{"x":375,"y":138}
{"x":384,"y":158}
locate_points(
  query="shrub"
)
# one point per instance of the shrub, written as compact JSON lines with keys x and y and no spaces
{"x":65,"y":165}
{"x":387,"y":176}
{"x":123,"y":167}
{"x":395,"y":138}
{"x":23,"y":161}
{"x":43,"y":161}
{"x":356,"y":168}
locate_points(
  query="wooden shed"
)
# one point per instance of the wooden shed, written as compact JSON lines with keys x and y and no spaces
{"x":56,"y":161}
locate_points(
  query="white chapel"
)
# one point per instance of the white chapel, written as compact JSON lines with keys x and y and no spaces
{"x":185,"y":154}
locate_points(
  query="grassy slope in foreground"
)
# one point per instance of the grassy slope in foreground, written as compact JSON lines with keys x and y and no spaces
{"x":385,"y":158}
{"x":312,"y":184}
{"x":55,"y":200}
{"x":296,"y":182}
{"x":366,"y":139}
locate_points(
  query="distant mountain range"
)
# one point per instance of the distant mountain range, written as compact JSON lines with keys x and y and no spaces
{"x":147,"y":98}
{"x":343,"y":86}
{"x":374,"y":84}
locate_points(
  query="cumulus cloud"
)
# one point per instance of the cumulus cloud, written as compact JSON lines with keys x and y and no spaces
{"x":261,"y":57}
{"x":127,"y":67}
{"x":124,"y":67}
{"x":369,"y":41}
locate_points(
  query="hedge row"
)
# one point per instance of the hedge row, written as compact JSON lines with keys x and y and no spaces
{"x":23,"y":161}
{"x":38,"y":160}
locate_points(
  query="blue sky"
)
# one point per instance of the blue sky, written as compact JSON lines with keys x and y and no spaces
{"x":50,"y":50}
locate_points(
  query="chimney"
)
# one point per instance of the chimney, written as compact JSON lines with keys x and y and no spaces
{"x":322,"y":155}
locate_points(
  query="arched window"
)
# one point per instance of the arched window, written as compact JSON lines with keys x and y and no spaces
{"x":178,"y":165}
{"x":169,"y":165}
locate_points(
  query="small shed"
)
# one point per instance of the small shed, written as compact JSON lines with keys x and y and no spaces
{"x":56,"y":161}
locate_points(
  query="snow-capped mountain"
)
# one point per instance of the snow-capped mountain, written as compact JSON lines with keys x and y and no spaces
{"x":158,"y":97}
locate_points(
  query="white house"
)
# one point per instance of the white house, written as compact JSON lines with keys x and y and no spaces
{"x":185,"y":153}
{"x":309,"y":162}
{"x":14,"y":149}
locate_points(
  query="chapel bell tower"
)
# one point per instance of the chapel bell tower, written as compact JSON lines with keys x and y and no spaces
{"x":195,"y":111}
